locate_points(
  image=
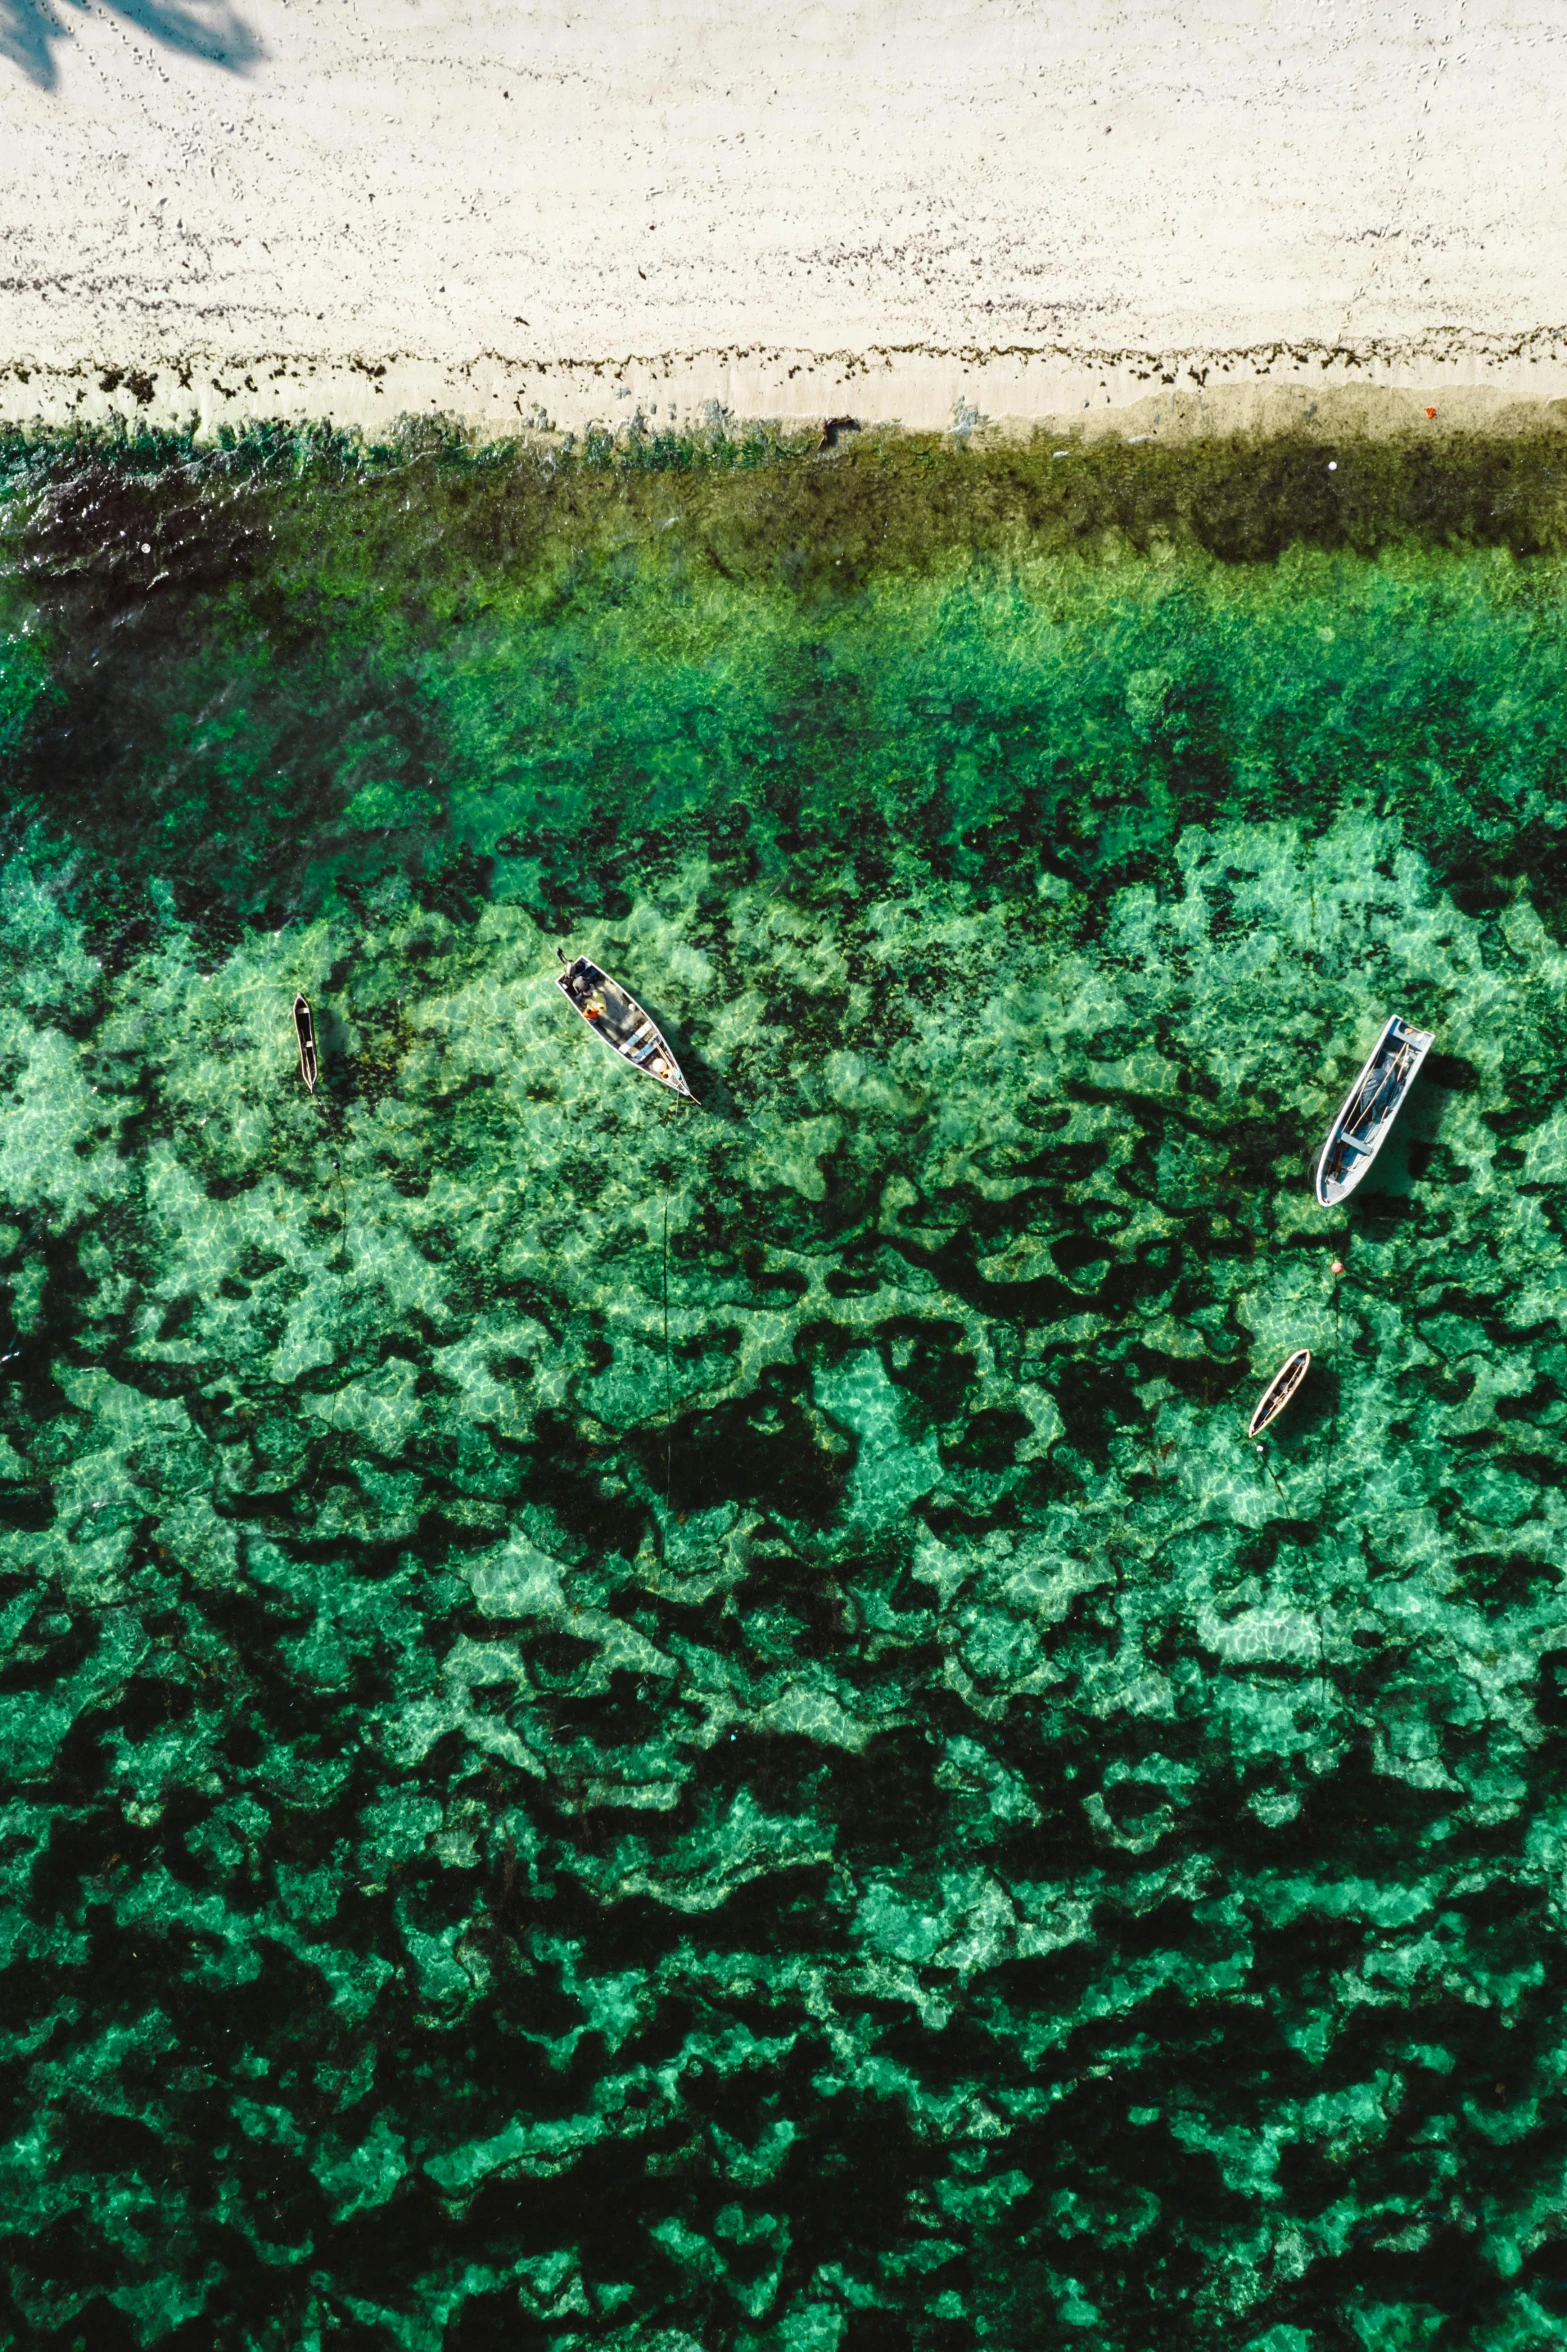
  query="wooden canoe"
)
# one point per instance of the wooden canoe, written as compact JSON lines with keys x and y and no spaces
{"x":305,"y":1031}
{"x":613,"y":1013}
{"x":1369,"y":1109}
{"x":1279,"y":1390}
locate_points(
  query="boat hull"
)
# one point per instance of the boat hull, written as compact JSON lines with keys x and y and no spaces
{"x":1279,"y":1391}
{"x":1369,"y":1109}
{"x":614,"y":1015}
{"x":305,"y":1036}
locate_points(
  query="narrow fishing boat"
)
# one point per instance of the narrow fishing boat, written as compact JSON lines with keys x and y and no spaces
{"x":1370,"y":1107}
{"x":1279,"y":1390}
{"x":305,"y":1031}
{"x":614,"y":1014}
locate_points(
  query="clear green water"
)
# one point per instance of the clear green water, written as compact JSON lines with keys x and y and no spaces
{"x":882,"y":1821}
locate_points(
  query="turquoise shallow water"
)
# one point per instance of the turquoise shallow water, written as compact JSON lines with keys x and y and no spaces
{"x":688,"y":1728}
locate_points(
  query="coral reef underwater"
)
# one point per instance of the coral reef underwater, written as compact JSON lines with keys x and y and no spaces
{"x":663,"y":1727}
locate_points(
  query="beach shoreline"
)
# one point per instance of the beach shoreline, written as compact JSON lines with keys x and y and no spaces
{"x":1167,"y":397}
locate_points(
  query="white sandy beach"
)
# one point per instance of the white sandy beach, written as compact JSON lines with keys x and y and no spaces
{"x":227,"y":209}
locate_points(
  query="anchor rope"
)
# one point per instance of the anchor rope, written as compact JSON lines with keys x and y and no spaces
{"x":1338,"y":1375}
{"x":669,"y":1433}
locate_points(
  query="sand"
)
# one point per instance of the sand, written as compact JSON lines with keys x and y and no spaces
{"x":918,"y":213}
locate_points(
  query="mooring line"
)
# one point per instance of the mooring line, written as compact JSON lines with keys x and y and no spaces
{"x":342,"y":1204}
{"x":1338,"y":1377}
{"x":669,"y":1430}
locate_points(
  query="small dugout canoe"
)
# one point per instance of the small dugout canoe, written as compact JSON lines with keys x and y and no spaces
{"x":305,"y":1032}
{"x":1279,"y":1390}
{"x":613,"y":1013}
{"x":1369,"y":1109}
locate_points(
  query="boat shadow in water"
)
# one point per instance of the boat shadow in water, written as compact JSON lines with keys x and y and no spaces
{"x":706,"y":1082}
{"x":1416,"y":1134}
{"x":1296,"y":1438}
{"x":332,"y":1052}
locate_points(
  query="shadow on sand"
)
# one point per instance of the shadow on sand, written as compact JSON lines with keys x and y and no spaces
{"x":31,"y":32}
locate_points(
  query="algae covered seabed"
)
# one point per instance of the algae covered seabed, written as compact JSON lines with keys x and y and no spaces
{"x":882,"y":1821}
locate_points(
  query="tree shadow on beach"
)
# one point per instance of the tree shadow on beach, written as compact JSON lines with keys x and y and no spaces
{"x":31,"y":32}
